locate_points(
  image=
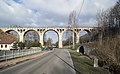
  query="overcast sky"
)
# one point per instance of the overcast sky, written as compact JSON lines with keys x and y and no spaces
{"x":49,"y":12}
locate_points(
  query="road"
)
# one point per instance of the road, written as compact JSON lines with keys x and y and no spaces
{"x":57,"y":62}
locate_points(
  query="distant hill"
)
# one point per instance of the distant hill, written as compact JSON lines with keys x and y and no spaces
{"x":6,"y":36}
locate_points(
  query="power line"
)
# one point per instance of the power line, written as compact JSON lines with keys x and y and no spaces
{"x":80,"y":8}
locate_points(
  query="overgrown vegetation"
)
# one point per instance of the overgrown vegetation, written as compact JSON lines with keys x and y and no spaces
{"x":107,"y":35}
{"x":21,"y":45}
{"x":30,"y":44}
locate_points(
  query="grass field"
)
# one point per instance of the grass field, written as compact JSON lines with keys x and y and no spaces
{"x":85,"y":65}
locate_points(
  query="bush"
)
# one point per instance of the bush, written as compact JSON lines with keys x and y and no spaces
{"x":100,"y":63}
{"x":21,"y":45}
{"x":114,"y":68}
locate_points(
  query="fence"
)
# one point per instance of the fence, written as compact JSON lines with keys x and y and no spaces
{"x":5,"y":55}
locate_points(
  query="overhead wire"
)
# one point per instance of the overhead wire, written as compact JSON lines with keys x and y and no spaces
{"x":80,"y":9}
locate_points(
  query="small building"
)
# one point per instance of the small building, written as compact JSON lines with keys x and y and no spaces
{"x":6,"y":44}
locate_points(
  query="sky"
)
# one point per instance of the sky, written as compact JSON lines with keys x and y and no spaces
{"x":50,"y":12}
{"x":44,"y":13}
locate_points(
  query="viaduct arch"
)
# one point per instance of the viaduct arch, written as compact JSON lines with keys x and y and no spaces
{"x":41,"y":31}
{"x":36,"y":33}
{"x":53,"y":31}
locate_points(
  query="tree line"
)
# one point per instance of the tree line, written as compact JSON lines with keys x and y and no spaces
{"x":107,"y":37}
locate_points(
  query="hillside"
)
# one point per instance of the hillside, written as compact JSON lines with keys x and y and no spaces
{"x":84,"y":38}
{"x":5,"y":36}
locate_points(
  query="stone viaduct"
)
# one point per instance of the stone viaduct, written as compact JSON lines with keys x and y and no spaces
{"x":41,"y":31}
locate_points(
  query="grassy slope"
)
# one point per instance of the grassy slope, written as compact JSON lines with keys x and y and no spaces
{"x":85,"y":65}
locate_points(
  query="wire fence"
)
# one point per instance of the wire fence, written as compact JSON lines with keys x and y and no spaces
{"x":11,"y":54}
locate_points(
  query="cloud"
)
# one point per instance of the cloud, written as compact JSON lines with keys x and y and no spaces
{"x":14,"y":13}
{"x":61,"y":7}
{"x":49,"y":12}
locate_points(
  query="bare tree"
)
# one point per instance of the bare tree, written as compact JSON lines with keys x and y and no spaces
{"x":108,"y":30}
{"x":102,"y":19}
{"x":73,"y":23}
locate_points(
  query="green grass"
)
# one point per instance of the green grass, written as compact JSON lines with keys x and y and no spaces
{"x":67,"y":47}
{"x":85,"y":65}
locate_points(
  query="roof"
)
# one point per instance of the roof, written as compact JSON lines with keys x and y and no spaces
{"x":6,"y":41}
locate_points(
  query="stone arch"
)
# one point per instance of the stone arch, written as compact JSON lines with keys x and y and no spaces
{"x":7,"y":31}
{"x":29,"y":31}
{"x":15,"y":32}
{"x":69,"y":30}
{"x":53,"y":31}
{"x":88,"y":31}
